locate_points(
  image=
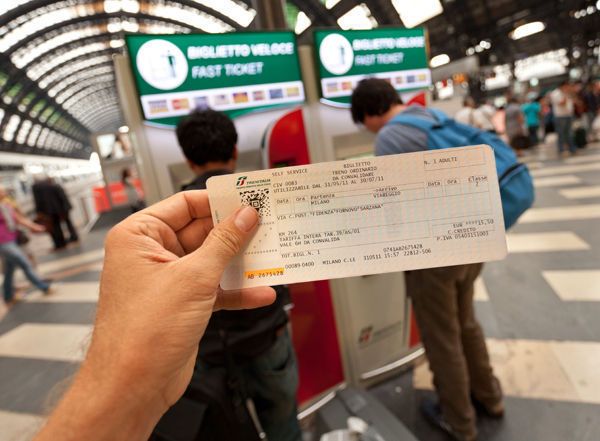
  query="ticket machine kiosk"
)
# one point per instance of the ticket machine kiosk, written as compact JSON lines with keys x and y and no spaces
{"x":375,"y":332}
{"x":356,"y":330}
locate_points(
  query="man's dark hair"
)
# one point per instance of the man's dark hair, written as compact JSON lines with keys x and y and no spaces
{"x":207,"y":136}
{"x":373,"y":97}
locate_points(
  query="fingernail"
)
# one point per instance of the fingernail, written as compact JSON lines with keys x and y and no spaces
{"x":246,"y":219}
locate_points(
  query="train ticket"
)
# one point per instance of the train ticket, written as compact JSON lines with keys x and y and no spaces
{"x":365,"y":216}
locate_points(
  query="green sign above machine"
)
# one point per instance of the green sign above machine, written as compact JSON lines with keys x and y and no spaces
{"x":394,"y":54}
{"x":235,"y":73}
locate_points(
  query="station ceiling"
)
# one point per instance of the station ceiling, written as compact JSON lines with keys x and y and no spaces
{"x":57,"y":79}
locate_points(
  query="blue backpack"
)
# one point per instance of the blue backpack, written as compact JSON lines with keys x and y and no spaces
{"x":516,"y":185}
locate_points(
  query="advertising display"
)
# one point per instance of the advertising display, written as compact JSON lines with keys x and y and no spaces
{"x":346,"y":57}
{"x":234,"y":73}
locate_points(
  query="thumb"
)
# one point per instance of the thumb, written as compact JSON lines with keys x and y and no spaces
{"x":225,"y":241}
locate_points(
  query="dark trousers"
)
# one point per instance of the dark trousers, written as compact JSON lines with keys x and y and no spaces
{"x":271,"y":380}
{"x":564,"y":130}
{"x":533,"y":134}
{"x":454,"y":342}
{"x":56,"y":231}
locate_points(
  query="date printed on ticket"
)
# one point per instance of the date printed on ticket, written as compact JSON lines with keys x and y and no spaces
{"x":365,"y":216}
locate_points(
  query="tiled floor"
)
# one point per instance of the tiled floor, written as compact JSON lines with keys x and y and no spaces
{"x":590,"y":191}
{"x":540,"y":310}
{"x":555,"y":181}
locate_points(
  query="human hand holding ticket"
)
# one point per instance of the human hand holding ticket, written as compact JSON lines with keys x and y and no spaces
{"x":365,"y":216}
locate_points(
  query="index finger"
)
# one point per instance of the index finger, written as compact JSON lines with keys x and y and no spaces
{"x":179,"y":210}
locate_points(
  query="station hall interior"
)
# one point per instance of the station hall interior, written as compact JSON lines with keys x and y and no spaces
{"x":92,"y":92}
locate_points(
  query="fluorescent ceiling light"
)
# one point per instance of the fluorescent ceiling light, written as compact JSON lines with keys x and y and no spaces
{"x":358,"y":17}
{"x":302,"y":23}
{"x":439,"y":60}
{"x":414,"y":13}
{"x":527,"y":29}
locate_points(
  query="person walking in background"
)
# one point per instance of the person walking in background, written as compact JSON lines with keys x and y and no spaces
{"x":532,"y":111}
{"x":11,"y":253}
{"x":515,"y":126}
{"x":591,"y":101}
{"x":134,"y":199}
{"x":473,"y":116}
{"x":563,"y":111}
{"x":52,"y":207}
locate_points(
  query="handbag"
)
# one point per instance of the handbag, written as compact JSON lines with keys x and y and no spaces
{"x":22,"y":237}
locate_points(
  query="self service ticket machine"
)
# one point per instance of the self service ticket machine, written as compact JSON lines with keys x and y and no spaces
{"x":345,"y":331}
{"x":355,"y":330}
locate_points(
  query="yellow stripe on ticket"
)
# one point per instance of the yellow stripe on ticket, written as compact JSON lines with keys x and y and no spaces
{"x":263,"y":273}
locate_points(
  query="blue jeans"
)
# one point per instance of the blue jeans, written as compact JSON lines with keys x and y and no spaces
{"x":14,"y":257}
{"x":271,"y":380}
{"x":563,"y":127}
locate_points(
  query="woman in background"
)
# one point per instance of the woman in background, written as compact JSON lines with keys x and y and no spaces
{"x":134,"y":199}
{"x":12,"y":254}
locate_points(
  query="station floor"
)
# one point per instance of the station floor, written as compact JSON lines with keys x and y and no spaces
{"x":540,"y":309}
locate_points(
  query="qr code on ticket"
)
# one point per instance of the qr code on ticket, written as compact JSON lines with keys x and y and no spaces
{"x":259,"y":199}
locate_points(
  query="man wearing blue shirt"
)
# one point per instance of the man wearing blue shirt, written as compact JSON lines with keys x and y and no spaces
{"x":442,"y":297}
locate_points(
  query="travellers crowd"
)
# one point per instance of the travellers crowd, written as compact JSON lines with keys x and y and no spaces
{"x":571,"y":111}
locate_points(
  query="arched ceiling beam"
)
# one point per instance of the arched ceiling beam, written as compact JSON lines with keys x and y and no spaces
{"x":316,"y":11}
{"x":75,"y":88}
{"x":79,"y":76}
{"x":83,"y":57}
{"x":104,"y":91}
{"x":85,"y":107}
{"x":36,"y":4}
{"x":81,"y":70}
{"x":93,"y":18}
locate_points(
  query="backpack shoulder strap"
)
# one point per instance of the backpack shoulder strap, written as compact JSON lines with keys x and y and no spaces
{"x":420,"y":123}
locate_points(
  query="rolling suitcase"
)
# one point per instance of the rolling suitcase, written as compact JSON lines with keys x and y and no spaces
{"x":580,"y":137}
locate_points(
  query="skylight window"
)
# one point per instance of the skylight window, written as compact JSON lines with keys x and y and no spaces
{"x":82,"y":85}
{"x":29,"y":53}
{"x":23,"y":131}
{"x":11,"y":127}
{"x":358,"y":17}
{"x":33,"y":135}
{"x":49,"y":63}
{"x":66,"y":71}
{"x":414,"y":13}
{"x":190,"y":16}
{"x":40,"y":22}
{"x":57,"y":88}
{"x":302,"y":23}
{"x":237,"y":11}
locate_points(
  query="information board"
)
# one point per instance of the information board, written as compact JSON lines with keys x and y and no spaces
{"x":234,"y":73}
{"x":344,"y":58}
